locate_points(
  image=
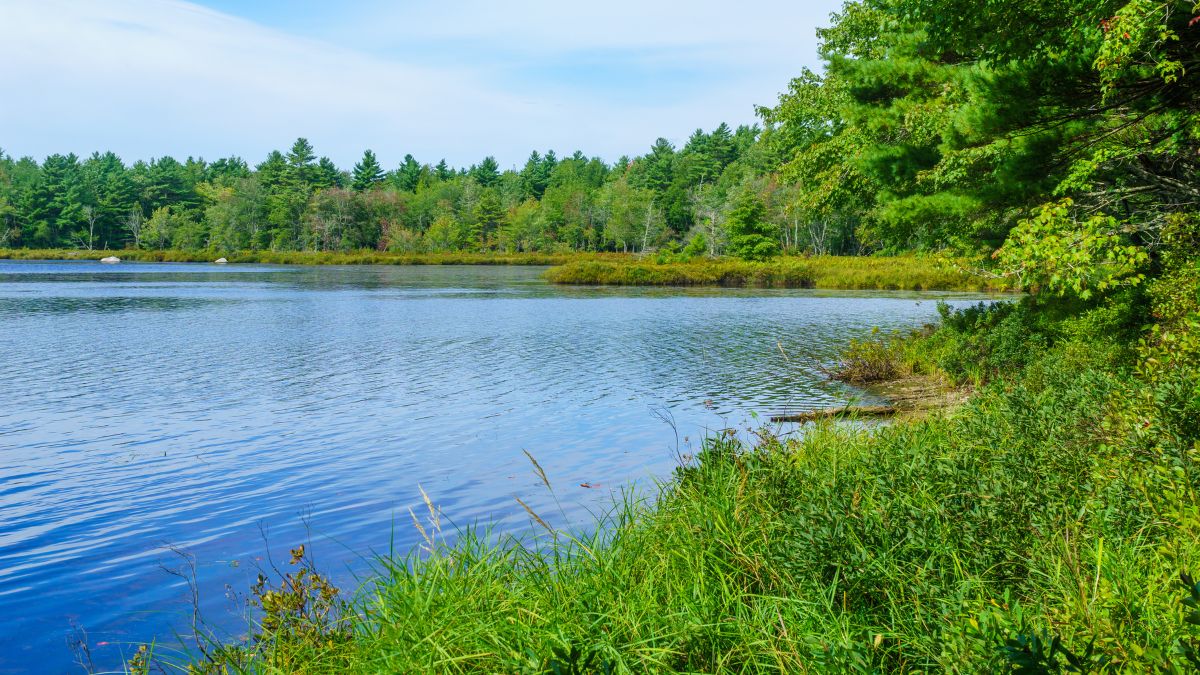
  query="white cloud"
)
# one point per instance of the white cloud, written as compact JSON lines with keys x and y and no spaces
{"x":555,"y":25}
{"x":154,"y":77}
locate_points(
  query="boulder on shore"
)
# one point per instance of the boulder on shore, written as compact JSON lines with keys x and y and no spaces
{"x":110,"y":259}
{"x":220,"y":261}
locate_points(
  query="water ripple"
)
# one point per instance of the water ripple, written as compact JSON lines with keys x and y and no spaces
{"x":151,"y":406}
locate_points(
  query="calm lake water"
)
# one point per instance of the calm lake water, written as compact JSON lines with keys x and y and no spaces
{"x":233,"y":412}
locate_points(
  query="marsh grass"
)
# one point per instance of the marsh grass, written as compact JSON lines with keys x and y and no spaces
{"x":908,"y":272}
{"x":787,"y":273}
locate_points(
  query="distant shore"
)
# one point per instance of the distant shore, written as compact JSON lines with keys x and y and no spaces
{"x":305,"y":257}
{"x":904,"y":272}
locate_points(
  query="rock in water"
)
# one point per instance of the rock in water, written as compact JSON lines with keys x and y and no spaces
{"x":110,"y":259}
{"x":220,"y":261}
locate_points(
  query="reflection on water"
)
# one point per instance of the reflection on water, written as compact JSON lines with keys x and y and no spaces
{"x":148,"y":406}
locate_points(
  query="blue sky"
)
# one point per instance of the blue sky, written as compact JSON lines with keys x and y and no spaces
{"x":458,"y":80}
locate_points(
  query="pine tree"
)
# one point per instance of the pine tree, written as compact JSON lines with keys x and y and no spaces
{"x":301,"y":153}
{"x":270,"y":171}
{"x":659,"y":166}
{"x":751,"y":237}
{"x":487,"y":172}
{"x":408,"y":176}
{"x":489,"y":217}
{"x":367,"y":173}
{"x":535,"y":175}
{"x":443,"y":171}
{"x":300,"y":161}
{"x":720,"y":146}
{"x":327,"y":175}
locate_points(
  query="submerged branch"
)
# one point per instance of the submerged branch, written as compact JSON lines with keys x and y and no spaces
{"x":840,"y":411}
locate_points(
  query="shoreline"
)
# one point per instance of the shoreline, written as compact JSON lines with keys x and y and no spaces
{"x":900,"y":273}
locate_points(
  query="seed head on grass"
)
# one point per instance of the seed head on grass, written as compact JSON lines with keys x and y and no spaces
{"x":535,"y":516}
{"x":541,"y":473}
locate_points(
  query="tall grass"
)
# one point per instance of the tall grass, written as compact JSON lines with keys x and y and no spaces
{"x":835,"y":272}
{"x":1032,"y":529}
{"x":785,"y":273}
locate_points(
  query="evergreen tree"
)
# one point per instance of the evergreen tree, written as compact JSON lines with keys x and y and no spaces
{"x":487,"y":172}
{"x":443,"y":171}
{"x":301,"y":153}
{"x":226,"y":170}
{"x":58,"y":201}
{"x":327,"y":175}
{"x":111,"y":195}
{"x":300,"y":161}
{"x":697,"y":161}
{"x":658,"y":167}
{"x":751,"y":237}
{"x":271,"y":171}
{"x":720,"y":146}
{"x":489,"y":218}
{"x":535,"y":175}
{"x":367,"y":173}
{"x":408,"y":176}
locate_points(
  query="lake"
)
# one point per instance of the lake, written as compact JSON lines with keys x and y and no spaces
{"x":232,"y":412}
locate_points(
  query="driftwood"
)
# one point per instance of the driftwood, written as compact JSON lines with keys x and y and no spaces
{"x":843,"y":411}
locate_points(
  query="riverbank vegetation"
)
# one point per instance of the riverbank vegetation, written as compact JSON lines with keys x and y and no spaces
{"x":904,"y":272}
{"x":900,"y":272}
{"x":1050,"y":524}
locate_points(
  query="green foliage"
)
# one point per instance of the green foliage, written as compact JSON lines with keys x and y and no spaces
{"x":697,"y":246}
{"x":870,"y":360}
{"x":1055,"y":252}
{"x":296,"y":201}
{"x":750,"y":236}
{"x":367,"y":173}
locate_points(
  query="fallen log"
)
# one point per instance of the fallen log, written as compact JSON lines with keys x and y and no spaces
{"x":842,"y":411}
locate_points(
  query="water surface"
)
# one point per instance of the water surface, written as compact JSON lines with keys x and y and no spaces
{"x":231,"y":412}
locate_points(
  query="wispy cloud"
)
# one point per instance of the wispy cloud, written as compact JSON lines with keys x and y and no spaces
{"x":152,"y":77}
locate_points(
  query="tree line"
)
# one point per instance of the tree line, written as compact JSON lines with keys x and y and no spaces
{"x":297,"y":201}
{"x":1073,"y":133}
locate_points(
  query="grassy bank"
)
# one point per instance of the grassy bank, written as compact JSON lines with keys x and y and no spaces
{"x":836,"y":272}
{"x":307,"y":257}
{"x":1050,"y":524}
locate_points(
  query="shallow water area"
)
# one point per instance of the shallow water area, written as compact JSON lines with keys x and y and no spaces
{"x":231,"y":412}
